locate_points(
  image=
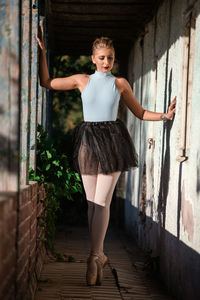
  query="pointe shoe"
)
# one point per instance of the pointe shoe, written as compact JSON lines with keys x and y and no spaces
{"x":91,"y":276}
{"x":101,"y":263}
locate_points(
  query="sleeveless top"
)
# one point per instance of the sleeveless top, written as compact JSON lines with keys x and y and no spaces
{"x":100,"y":98}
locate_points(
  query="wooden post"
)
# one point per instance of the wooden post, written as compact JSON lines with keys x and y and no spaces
{"x":25,"y":96}
{"x":34,"y":86}
{"x":9,"y":96}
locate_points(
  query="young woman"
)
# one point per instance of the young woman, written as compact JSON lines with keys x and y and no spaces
{"x":102,"y":145}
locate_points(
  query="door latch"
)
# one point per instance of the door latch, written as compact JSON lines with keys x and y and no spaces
{"x":151,"y":142}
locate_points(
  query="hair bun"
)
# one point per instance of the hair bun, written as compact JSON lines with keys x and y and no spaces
{"x":102,"y":42}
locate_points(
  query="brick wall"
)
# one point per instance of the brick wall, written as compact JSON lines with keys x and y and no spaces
{"x":22,"y":251}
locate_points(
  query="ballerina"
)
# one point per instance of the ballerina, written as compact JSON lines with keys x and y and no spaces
{"x":102,"y":145}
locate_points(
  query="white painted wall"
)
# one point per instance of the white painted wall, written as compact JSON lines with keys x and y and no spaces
{"x":171,"y":223}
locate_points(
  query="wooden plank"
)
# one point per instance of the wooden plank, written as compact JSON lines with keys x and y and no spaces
{"x":95,"y":17}
{"x":90,"y":38}
{"x":114,"y":33}
{"x":100,"y":9}
{"x":25,"y":96}
{"x":33,"y":100}
{"x":62,"y":280}
{"x":9,"y":96}
{"x":133,"y":2}
{"x":95,"y":24}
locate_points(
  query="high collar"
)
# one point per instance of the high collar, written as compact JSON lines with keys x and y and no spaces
{"x":102,"y":74}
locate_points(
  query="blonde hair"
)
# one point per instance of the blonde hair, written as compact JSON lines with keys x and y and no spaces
{"x":102,"y":42}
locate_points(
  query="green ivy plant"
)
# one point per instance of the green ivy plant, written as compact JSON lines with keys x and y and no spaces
{"x":52,"y":170}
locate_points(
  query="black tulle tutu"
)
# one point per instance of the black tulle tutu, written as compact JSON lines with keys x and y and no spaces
{"x":103,"y":147}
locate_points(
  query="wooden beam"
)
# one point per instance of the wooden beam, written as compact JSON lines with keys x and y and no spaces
{"x":105,"y":9}
{"x":133,"y":2}
{"x":96,"y":17}
{"x":85,"y":47}
{"x":114,"y":32}
{"x":95,"y":24}
{"x":126,"y":25}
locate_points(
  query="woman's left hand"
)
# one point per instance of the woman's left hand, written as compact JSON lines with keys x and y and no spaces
{"x":171,"y":109}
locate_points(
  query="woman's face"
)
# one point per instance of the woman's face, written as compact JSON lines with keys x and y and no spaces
{"x":104,"y":59}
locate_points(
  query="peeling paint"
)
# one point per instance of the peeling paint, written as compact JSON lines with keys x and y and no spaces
{"x":173,"y":185}
{"x":20,"y":94}
{"x":187,"y":215}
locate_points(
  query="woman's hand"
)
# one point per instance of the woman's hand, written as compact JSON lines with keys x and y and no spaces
{"x":41,"y":39}
{"x":171,"y":109}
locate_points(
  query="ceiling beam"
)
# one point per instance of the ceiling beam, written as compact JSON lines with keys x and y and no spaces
{"x":95,"y":24}
{"x":136,"y":2}
{"x":96,"y":17}
{"x":85,"y":32}
{"x":100,"y":9}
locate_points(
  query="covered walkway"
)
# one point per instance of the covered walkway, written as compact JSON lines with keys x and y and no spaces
{"x":124,"y":277}
{"x":157,"y":46}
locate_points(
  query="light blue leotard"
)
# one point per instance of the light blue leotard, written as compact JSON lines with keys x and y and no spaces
{"x":100,"y":98}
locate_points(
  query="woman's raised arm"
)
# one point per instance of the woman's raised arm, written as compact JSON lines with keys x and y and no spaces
{"x":138,"y":110}
{"x":65,"y":83}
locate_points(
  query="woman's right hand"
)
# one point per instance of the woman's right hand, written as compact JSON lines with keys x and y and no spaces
{"x":41,"y":39}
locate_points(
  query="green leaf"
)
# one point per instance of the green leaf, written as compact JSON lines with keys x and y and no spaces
{"x":48,"y":154}
{"x":56,"y":162}
{"x":47,"y":167}
{"x":69,"y":175}
{"x":59,"y":173}
{"x":77,"y":176}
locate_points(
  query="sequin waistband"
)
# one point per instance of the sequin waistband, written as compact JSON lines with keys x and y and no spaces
{"x":100,"y":122}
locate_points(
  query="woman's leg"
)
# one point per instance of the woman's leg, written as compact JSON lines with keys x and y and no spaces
{"x":89,"y":183}
{"x":99,"y":190}
{"x":104,"y":190}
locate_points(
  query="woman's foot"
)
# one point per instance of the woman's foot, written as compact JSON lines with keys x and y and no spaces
{"x":101,"y":263}
{"x":92,"y":269}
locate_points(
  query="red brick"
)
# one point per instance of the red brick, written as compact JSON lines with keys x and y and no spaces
{"x":25,"y":211}
{"x":7,"y":285}
{"x":24,"y":195}
{"x":34,"y":202}
{"x":23,"y":274}
{"x":34,"y":215}
{"x":34,"y":188}
{"x":23,"y":244}
{"x":24,"y":228}
{"x":22,"y":282}
{"x":7,"y":246}
{"x":23,"y":262}
{"x":10,"y":294}
{"x":7,"y":266}
{"x":32,"y":245}
{"x":8,"y":226}
{"x":32,"y":254}
{"x":7,"y":206}
{"x":33,"y":228}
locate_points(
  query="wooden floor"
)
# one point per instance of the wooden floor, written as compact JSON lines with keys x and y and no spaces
{"x":124,"y":277}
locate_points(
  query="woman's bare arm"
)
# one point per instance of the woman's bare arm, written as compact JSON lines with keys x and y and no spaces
{"x":65,"y":83}
{"x":137,"y":109}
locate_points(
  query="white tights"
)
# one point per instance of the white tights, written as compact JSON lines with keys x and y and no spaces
{"x":99,"y":190}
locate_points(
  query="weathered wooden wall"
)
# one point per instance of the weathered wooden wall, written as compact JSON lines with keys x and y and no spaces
{"x":162,"y":207}
{"x":22,"y":107}
{"x":22,"y":99}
